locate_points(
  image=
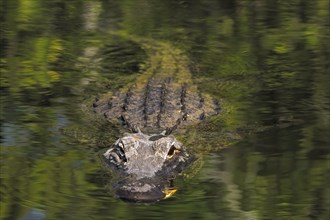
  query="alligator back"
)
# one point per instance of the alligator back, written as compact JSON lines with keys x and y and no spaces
{"x":162,"y":97}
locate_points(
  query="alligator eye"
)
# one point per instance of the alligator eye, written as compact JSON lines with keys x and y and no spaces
{"x":172,"y":152}
{"x":120,"y":149}
{"x":117,"y":154}
{"x":121,"y":152}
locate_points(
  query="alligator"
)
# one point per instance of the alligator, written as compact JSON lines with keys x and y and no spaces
{"x":161,"y":100}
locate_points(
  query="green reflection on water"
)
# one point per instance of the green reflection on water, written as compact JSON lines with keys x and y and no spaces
{"x":267,"y":60}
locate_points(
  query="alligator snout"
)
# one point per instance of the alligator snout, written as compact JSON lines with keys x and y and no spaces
{"x":145,"y":190}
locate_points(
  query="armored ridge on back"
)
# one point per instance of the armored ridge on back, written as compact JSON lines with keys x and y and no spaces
{"x":162,"y":99}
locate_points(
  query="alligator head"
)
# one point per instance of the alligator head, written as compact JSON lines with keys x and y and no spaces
{"x":147,"y":165}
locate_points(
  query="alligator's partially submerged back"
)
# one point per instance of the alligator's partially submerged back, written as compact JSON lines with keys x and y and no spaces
{"x":162,"y":99}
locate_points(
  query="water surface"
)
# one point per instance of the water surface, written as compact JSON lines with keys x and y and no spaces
{"x":266,"y":60}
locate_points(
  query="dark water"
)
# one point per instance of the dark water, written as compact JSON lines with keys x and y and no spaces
{"x":267,"y":59}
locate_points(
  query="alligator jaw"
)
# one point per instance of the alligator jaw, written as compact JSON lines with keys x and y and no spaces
{"x":146,"y":190}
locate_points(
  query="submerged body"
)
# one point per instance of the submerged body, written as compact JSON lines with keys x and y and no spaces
{"x":162,"y":99}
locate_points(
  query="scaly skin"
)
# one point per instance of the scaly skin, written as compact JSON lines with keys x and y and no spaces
{"x":163,"y":97}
